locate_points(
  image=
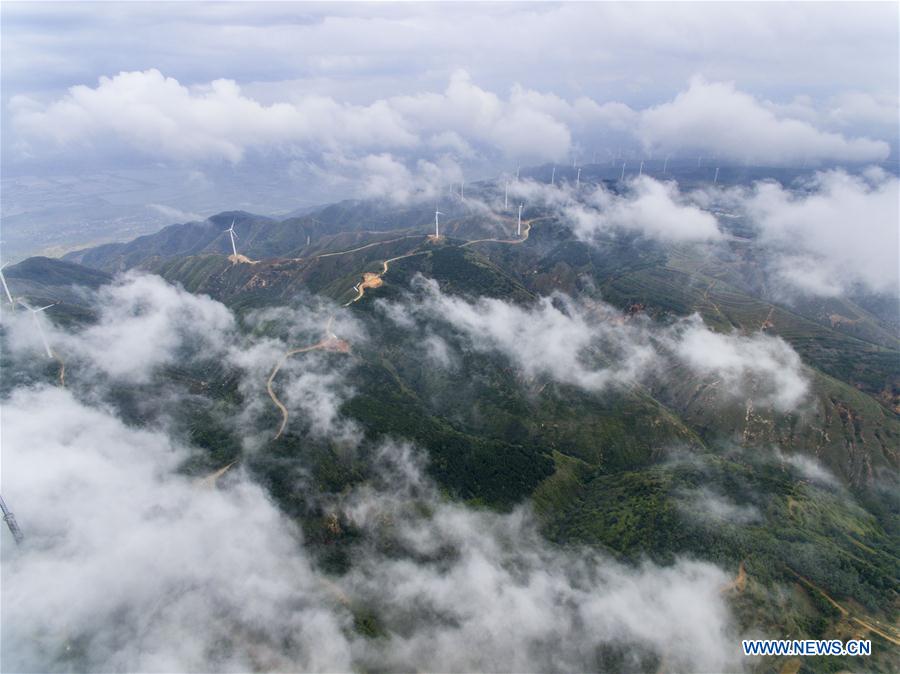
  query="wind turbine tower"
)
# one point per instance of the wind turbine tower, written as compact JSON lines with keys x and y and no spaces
{"x":665,"y":165}
{"x":553,"y":176}
{"x":10,"y":520}
{"x":622,"y":177}
{"x":6,"y":288}
{"x":437,"y":223}
{"x":578,"y":179}
{"x":37,"y":324}
{"x":641,"y":171}
{"x":233,"y":236}
{"x":506,"y":196}
{"x":519,"y":225}
{"x":716,"y":179}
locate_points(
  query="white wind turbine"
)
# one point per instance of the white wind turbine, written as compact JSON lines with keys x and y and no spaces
{"x":641,"y":170}
{"x":716,"y":179}
{"x":622,"y":177}
{"x":519,"y":225}
{"x":233,"y":236}
{"x":6,"y":289}
{"x":437,"y":223}
{"x":578,"y":179}
{"x":37,"y":323}
{"x":506,"y":196}
{"x":665,"y":165}
{"x":553,"y":176}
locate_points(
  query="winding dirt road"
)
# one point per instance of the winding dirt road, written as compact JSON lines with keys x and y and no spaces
{"x":330,"y":343}
{"x":209,"y":482}
{"x":887,"y":632}
{"x":373,"y":279}
{"x":525,"y":223}
{"x":368,"y":245}
{"x":369,"y":280}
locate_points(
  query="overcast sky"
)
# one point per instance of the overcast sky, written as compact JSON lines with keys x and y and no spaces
{"x":831,"y":65}
{"x":331,"y":99}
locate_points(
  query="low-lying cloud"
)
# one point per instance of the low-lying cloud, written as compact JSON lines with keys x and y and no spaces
{"x":596,"y":347}
{"x":646,"y":206}
{"x":832,"y":234}
{"x":130,"y":565}
{"x":838,"y":232}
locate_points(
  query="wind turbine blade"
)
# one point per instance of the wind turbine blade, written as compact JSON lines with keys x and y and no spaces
{"x":25,"y":304}
{"x":40,"y":328}
{"x":44,"y":308}
{"x":6,"y":289}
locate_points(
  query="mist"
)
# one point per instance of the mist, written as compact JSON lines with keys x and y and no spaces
{"x":130,"y":563}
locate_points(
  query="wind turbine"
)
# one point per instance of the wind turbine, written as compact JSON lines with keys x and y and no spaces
{"x":578,"y":179}
{"x":716,"y":179}
{"x":553,"y":176}
{"x":6,"y":289}
{"x":437,"y":224}
{"x":233,"y":236}
{"x":10,"y":520}
{"x":506,"y":197}
{"x":665,"y":165}
{"x":517,"y":173}
{"x":519,"y":225}
{"x":622,"y":177}
{"x":37,"y":323}
{"x":641,"y":171}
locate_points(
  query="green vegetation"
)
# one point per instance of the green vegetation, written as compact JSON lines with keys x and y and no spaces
{"x":658,"y":472}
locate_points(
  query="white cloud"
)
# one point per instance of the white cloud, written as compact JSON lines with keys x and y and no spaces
{"x":143,"y":324}
{"x":176,"y":214}
{"x":839,"y":231}
{"x":717,"y":118}
{"x":652,"y":208}
{"x":646,"y":206}
{"x":504,"y":599}
{"x":761,"y":367}
{"x":708,"y":506}
{"x":595,"y":347}
{"x":128,"y":566}
{"x":162,"y":118}
{"x":384,"y":176}
{"x":809,"y":468}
